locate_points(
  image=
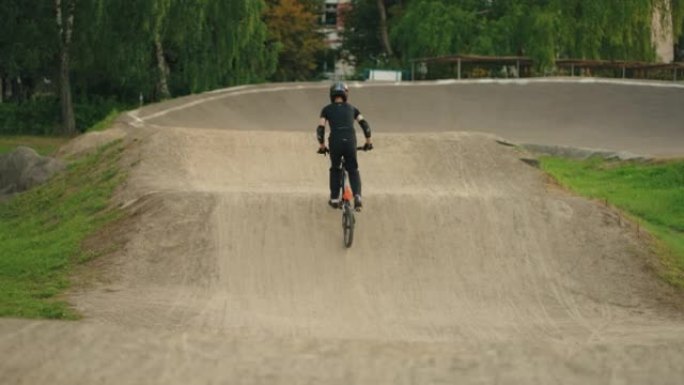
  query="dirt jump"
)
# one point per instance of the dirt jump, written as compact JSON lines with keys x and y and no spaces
{"x":468,"y":265}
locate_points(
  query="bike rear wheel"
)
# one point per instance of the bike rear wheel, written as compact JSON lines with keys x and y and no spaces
{"x":348,"y":224}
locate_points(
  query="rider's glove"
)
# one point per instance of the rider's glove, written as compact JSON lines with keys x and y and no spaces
{"x":323,"y":150}
{"x":367,"y":146}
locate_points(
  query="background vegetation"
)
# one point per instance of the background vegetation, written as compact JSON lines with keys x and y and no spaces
{"x":65,"y":64}
{"x":116,"y":54}
{"x":544,"y":30}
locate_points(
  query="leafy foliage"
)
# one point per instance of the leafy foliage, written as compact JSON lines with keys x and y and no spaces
{"x":542,"y":29}
{"x":41,"y":116}
{"x":434,"y":28}
{"x":361,"y":40}
{"x":207,"y":44}
{"x":28,"y":43}
{"x":125,"y":50}
{"x":292,"y":29}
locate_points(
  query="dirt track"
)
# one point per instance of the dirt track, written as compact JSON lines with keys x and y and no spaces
{"x":468,"y":267}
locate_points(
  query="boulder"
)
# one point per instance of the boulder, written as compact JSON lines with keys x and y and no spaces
{"x":24,"y":168}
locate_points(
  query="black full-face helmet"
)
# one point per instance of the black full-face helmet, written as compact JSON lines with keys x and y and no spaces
{"x":338,"y":89}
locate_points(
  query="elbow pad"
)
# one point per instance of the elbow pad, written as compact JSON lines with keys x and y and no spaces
{"x":320,"y":134}
{"x":366,"y":128}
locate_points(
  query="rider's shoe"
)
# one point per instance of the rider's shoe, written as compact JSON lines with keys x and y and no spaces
{"x":357,"y":202}
{"x":334,"y":203}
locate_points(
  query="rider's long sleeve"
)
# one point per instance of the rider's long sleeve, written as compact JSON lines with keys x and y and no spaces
{"x":320,"y":134}
{"x":366,"y":128}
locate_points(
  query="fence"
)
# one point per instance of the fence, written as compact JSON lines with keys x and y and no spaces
{"x":470,"y":66}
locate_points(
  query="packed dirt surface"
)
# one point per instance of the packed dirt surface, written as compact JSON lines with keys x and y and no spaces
{"x":643,"y":118}
{"x":468,"y":265}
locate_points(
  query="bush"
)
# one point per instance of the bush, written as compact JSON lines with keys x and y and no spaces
{"x":42,"y":116}
{"x":88,"y":114}
{"x":35,"y":117}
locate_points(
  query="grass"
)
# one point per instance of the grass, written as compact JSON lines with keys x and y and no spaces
{"x":651,"y":192}
{"x":48,"y":145}
{"x":41,"y":232}
{"x":106,"y":122}
{"x":44,"y":145}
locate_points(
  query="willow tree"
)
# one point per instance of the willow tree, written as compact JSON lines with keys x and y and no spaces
{"x":677,"y":11}
{"x":597,"y":29}
{"x":216,"y":43}
{"x":436,"y":27}
{"x":158,"y":48}
{"x":114,"y":50}
{"x":255,"y":59}
{"x":542,"y":29}
{"x":606,"y":29}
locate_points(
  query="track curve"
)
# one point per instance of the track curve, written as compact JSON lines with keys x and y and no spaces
{"x":640,"y":117}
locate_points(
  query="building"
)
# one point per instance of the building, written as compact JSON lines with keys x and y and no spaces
{"x":332,"y":25}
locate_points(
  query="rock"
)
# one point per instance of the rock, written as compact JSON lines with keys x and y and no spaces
{"x":24,"y":168}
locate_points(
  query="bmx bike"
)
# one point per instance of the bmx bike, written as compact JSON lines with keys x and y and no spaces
{"x":348,"y":219}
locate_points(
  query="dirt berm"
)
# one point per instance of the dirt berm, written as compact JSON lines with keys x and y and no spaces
{"x":468,"y":266}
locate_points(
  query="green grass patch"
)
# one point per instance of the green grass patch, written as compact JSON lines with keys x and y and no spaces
{"x":44,"y":145}
{"x":106,"y":122}
{"x":41,"y":232}
{"x":651,"y":192}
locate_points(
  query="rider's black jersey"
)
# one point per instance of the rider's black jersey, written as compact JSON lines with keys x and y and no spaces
{"x":340,"y":117}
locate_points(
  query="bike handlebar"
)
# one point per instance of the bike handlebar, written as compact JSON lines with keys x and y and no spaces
{"x":326,"y":150}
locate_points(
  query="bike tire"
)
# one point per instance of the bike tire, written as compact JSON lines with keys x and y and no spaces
{"x":348,"y":224}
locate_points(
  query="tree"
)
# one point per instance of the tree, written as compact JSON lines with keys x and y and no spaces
{"x":292,"y":30}
{"x":542,"y":29}
{"x":384,"y":34}
{"x":105,"y":53}
{"x":434,"y":28}
{"x":170,"y":47}
{"x":225,"y":44}
{"x":367,"y":37}
{"x":27,"y":46}
{"x":160,"y":11}
{"x":65,"y":25}
{"x":360,"y":38}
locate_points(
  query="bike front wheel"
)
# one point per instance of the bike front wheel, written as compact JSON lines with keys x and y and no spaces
{"x":348,"y":224}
